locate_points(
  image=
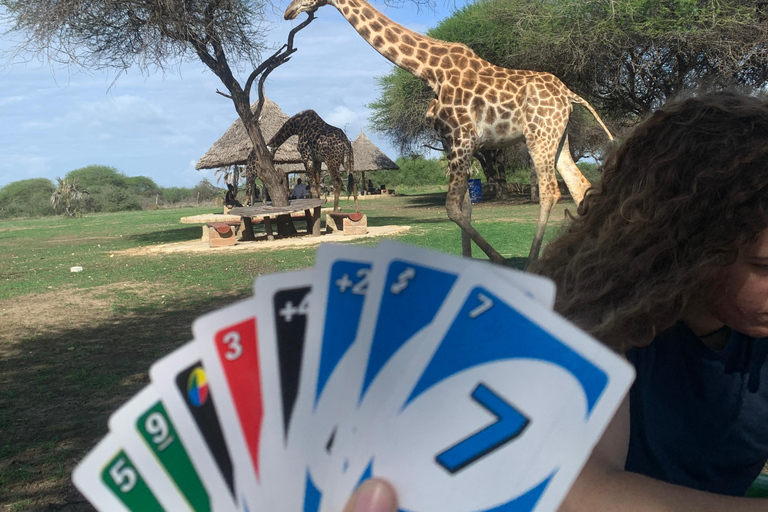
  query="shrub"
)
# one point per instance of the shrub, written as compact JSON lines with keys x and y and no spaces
{"x":93,"y":177}
{"x":117,"y":199}
{"x":26,"y":198}
{"x":142,"y":186}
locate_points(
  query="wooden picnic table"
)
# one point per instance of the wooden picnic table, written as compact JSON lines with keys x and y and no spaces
{"x":310,"y":207}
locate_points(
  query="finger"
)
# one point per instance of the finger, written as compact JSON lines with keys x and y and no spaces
{"x":373,"y":496}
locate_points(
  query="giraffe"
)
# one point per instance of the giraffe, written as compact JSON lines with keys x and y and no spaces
{"x":318,"y":142}
{"x":478,"y":106}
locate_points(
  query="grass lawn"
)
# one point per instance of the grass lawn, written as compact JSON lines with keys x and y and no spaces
{"x":75,"y":346}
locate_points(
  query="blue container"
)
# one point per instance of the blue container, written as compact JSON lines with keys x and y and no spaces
{"x":475,"y":191}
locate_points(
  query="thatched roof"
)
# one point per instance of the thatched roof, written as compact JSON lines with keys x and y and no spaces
{"x":234,"y":146}
{"x":368,"y":157}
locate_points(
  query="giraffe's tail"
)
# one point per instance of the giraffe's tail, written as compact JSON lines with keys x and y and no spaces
{"x":575,"y":98}
{"x":349,"y":159}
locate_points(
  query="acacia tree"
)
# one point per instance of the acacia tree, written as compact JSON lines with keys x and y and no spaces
{"x":157,"y":35}
{"x":626,"y":57}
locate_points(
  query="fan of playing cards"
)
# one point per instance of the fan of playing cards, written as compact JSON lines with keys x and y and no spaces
{"x":451,"y":378}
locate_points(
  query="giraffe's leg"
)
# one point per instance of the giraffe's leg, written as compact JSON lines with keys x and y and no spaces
{"x":457,"y":190}
{"x":574,"y":179}
{"x":466,"y":242}
{"x":316,"y":174}
{"x":543,"y":159}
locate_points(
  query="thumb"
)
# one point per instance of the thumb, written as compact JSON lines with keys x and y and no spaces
{"x":373,"y":496}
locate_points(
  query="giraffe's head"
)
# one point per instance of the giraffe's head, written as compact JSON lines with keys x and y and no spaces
{"x":299,"y":6}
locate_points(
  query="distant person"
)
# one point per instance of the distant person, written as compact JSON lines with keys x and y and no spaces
{"x":370,"y":186}
{"x":230,"y":199}
{"x":300,"y":190}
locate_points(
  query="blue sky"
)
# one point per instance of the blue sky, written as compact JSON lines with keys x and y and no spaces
{"x":55,"y":120}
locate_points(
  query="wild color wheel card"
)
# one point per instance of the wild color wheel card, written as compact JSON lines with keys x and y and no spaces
{"x":231,"y":353}
{"x":110,"y":481}
{"x":507,"y":401}
{"x":182,"y":384}
{"x":150,"y":438}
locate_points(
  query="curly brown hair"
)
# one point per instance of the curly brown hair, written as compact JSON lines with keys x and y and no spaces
{"x":677,"y":200}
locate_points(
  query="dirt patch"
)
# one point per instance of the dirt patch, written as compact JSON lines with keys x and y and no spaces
{"x":262,"y":244}
{"x":64,"y":367}
{"x":37,"y":314}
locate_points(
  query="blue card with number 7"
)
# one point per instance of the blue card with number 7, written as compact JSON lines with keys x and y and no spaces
{"x":505,"y":401}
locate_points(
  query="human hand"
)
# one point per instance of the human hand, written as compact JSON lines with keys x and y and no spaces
{"x":373,"y":495}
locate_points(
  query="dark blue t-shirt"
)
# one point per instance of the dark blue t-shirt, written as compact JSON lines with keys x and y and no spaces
{"x":699,"y":417}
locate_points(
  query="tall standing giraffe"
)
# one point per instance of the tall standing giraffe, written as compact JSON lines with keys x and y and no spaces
{"x":478,"y":106}
{"x":318,"y":142}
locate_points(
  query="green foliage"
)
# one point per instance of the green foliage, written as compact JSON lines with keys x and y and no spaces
{"x":173,"y":195}
{"x":399,"y":112}
{"x":93,"y":177}
{"x":413,"y":172}
{"x":142,"y":186}
{"x":206,"y":191}
{"x":117,"y":199}
{"x":26,"y":198}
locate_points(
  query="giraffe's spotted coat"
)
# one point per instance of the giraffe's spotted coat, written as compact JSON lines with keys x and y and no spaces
{"x":477,"y":106}
{"x":318,"y":142}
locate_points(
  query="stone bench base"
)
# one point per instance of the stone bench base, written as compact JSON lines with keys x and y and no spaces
{"x":349,"y":223}
{"x":221,"y":234}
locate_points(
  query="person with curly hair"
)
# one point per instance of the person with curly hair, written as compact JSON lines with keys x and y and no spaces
{"x":667,"y":263}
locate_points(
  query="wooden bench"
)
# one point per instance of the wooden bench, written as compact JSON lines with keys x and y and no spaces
{"x":350,"y":223}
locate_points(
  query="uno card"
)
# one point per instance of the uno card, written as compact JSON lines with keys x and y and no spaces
{"x":284,"y":305}
{"x":506,"y":401}
{"x":110,"y":481}
{"x":407,"y":288}
{"x":150,"y":438}
{"x":331,"y":369}
{"x":230,"y":350}
{"x":182,"y":384}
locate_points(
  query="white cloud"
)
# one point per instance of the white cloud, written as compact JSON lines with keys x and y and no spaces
{"x":158,"y":126}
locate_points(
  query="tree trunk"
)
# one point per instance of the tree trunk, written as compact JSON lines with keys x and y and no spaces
{"x":534,"y":186}
{"x":493,"y":168}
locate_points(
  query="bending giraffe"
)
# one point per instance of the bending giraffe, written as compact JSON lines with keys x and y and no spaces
{"x":478,"y":106}
{"x":318,"y":142}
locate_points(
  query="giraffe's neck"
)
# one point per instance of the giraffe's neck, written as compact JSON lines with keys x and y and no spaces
{"x":418,"y":54}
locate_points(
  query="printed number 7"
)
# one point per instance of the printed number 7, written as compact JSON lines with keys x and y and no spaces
{"x":510,"y":424}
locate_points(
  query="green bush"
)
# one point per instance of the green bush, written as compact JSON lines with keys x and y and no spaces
{"x":117,"y":199}
{"x":413,"y":172}
{"x":142,"y":186}
{"x":175,"y":195}
{"x":206,"y":191}
{"x":93,"y":177}
{"x":26,"y":198}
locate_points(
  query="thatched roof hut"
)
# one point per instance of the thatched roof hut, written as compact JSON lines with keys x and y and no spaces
{"x":234,"y":146}
{"x":368,"y":157}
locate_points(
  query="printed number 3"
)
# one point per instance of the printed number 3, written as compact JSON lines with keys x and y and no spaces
{"x":232,"y":340}
{"x":124,"y":477}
